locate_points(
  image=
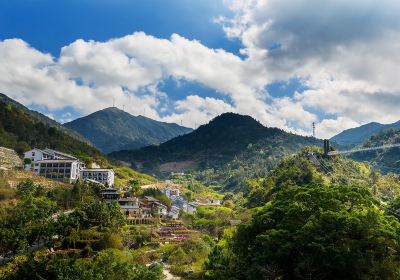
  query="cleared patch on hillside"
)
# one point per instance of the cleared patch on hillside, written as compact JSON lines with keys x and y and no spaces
{"x":177,"y":166}
{"x":14,"y":177}
{"x":9,"y":159}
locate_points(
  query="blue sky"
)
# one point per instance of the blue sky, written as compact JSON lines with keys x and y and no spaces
{"x":285,"y":63}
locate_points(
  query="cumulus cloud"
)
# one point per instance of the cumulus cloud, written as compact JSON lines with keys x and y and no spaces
{"x":346,"y":52}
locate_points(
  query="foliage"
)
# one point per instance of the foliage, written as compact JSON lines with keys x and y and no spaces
{"x":102,"y":214}
{"x":313,"y":232}
{"x":157,"y":194}
{"x":26,"y":224}
{"x":108,"y":264}
{"x":224,"y":152}
{"x":19,"y":131}
{"x":385,"y":160}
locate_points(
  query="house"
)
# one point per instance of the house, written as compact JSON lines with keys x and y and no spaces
{"x":153,"y":206}
{"x":110,"y":194}
{"x":173,"y":213}
{"x":171,"y":193}
{"x":130,"y":206}
{"x":160,"y":210}
{"x":103,"y":176}
{"x":191,"y":208}
{"x":179,"y":202}
{"x":53,"y":165}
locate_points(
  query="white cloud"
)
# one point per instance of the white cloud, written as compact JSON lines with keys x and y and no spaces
{"x":345,"y":51}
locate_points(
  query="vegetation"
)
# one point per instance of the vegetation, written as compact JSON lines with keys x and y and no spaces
{"x":231,"y":147}
{"x":385,"y":160}
{"x":313,"y":232}
{"x":357,"y":136}
{"x":112,"y":129}
{"x":21,"y":132}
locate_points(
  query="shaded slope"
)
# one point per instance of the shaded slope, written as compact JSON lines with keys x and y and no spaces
{"x":356,"y":136}
{"x":225,"y":151}
{"x":112,"y":129}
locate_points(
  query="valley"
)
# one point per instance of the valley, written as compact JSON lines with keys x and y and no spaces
{"x":217,"y":202}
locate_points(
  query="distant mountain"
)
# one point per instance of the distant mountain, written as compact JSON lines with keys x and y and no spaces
{"x":356,"y":136}
{"x":225,"y":151}
{"x":41,"y":118}
{"x":112,"y":129}
{"x":385,"y":160}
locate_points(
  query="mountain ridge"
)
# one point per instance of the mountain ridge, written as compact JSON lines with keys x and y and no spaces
{"x":112,"y":129}
{"x":356,"y":136}
{"x":228,"y":149}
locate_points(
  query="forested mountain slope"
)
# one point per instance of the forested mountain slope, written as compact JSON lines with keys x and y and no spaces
{"x":385,"y":160}
{"x":20,"y":131}
{"x":358,"y":135}
{"x":112,"y":129}
{"x":225,"y":151}
{"x":40,"y":117}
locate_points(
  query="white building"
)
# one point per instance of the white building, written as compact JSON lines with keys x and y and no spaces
{"x":173,"y":213}
{"x":171,"y":193}
{"x":54,"y":165}
{"x":103,"y":176}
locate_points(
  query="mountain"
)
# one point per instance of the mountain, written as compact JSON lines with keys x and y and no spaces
{"x":356,"y":136}
{"x":41,"y":118}
{"x":22,"y":129}
{"x":223,"y":152}
{"x":385,"y":160}
{"x":112,"y":129}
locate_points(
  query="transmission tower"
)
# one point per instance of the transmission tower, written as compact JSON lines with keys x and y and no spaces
{"x":313,"y":129}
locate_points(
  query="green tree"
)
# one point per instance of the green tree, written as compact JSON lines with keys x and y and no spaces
{"x":316,"y":232}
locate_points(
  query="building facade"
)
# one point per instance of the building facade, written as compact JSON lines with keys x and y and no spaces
{"x":103,"y":176}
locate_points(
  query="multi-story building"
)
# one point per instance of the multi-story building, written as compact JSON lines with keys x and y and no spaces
{"x":171,"y":193}
{"x":103,"y":176}
{"x":54,"y":165}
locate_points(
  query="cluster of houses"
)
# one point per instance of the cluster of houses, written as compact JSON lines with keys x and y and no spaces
{"x":65,"y":168}
{"x":144,"y":210}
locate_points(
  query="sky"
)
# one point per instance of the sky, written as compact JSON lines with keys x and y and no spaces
{"x":287,"y":63}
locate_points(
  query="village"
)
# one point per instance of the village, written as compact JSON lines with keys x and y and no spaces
{"x":145,"y":210}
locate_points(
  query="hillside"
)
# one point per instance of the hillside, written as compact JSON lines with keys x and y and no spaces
{"x":20,"y":131}
{"x":302,"y":169}
{"x":222,"y":152}
{"x":112,"y":129}
{"x":41,"y":118}
{"x":387,"y":160}
{"x":356,"y":136}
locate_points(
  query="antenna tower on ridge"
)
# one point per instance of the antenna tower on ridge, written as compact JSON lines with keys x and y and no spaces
{"x":313,"y":129}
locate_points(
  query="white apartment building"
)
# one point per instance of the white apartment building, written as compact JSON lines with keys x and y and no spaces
{"x":54,"y":165}
{"x":103,"y":176}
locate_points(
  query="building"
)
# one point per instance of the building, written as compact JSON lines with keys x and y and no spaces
{"x":173,"y":213}
{"x":179,"y":202}
{"x":171,"y":193}
{"x":110,"y":194}
{"x":103,"y":176}
{"x":191,"y":208}
{"x":130,"y":206}
{"x":54,"y":165}
{"x":63,"y":170}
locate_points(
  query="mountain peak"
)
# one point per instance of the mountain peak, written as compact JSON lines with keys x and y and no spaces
{"x":235,"y":120}
{"x":112,"y":129}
